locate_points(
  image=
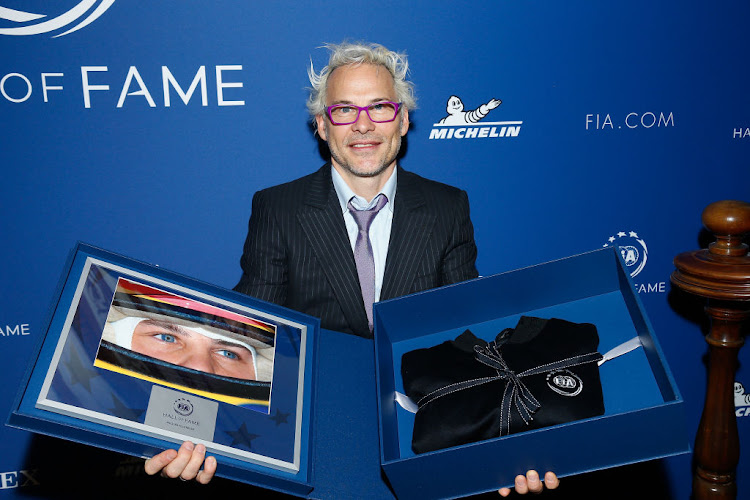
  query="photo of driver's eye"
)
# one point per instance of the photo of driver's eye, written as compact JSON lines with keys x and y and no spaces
{"x":194,"y":348}
{"x":182,"y":343}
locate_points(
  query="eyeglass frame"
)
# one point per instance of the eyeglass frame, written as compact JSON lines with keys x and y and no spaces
{"x":359,"y":111}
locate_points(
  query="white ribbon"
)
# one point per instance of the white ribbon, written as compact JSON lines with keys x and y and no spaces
{"x":621,"y":349}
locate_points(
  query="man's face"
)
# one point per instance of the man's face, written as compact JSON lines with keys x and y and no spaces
{"x":187,"y":347}
{"x":363,"y":148}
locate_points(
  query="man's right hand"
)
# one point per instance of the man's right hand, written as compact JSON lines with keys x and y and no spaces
{"x":185,"y":463}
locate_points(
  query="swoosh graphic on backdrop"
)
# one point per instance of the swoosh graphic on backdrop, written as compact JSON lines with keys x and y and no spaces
{"x":55,"y":23}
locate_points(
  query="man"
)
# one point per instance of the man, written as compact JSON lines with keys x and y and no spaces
{"x":301,"y":235}
{"x":304,"y":248}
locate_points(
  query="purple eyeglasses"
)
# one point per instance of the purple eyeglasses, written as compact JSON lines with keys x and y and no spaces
{"x":378,"y":112}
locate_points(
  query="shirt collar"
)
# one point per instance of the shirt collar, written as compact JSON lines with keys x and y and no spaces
{"x":345,"y":193}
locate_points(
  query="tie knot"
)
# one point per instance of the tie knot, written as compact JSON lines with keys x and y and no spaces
{"x":364,"y":218}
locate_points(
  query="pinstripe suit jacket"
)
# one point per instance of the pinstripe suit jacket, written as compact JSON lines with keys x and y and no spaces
{"x":297,"y":252}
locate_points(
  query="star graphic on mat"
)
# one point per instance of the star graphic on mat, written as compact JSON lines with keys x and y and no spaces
{"x":79,"y":372}
{"x":242,"y":436}
{"x":280,"y":417}
{"x":122,"y":411}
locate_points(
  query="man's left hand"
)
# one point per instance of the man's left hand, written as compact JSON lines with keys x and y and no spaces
{"x":531,"y":483}
{"x":185,"y":463}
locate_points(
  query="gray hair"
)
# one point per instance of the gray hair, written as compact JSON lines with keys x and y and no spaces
{"x":348,"y":53}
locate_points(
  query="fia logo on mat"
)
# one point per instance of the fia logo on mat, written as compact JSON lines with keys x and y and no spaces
{"x":183,"y":406}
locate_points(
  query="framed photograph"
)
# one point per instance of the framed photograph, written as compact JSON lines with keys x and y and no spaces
{"x":139,"y":359}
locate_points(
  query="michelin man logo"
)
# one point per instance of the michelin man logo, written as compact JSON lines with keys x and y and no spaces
{"x":461,"y":124}
{"x":24,"y":23}
{"x":741,"y":401}
{"x":633,"y":250}
{"x":457,"y":115}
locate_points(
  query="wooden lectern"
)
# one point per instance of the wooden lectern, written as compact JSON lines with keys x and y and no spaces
{"x":720,"y":274}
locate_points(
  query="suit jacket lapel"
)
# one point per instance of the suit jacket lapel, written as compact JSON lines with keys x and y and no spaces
{"x":323,"y":224}
{"x":409,"y":235}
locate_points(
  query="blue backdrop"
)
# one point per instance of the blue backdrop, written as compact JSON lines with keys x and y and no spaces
{"x":619,"y":123}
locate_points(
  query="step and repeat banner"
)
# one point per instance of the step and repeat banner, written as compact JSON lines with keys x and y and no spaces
{"x":145,"y":128}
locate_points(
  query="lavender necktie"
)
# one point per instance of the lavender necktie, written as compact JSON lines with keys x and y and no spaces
{"x":363,"y":252}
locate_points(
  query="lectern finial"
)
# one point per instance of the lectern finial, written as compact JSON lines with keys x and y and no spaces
{"x":729,"y":221}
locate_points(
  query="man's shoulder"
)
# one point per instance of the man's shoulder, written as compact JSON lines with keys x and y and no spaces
{"x":297,"y":190}
{"x":294,"y":185}
{"x":429,"y":187}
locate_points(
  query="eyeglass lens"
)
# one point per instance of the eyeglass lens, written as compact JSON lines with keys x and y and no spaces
{"x":378,"y":112}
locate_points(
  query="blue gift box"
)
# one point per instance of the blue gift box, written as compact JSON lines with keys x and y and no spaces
{"x":644,"y":416}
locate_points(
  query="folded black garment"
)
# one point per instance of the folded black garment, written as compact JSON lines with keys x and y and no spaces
{"x":542,"y":373}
